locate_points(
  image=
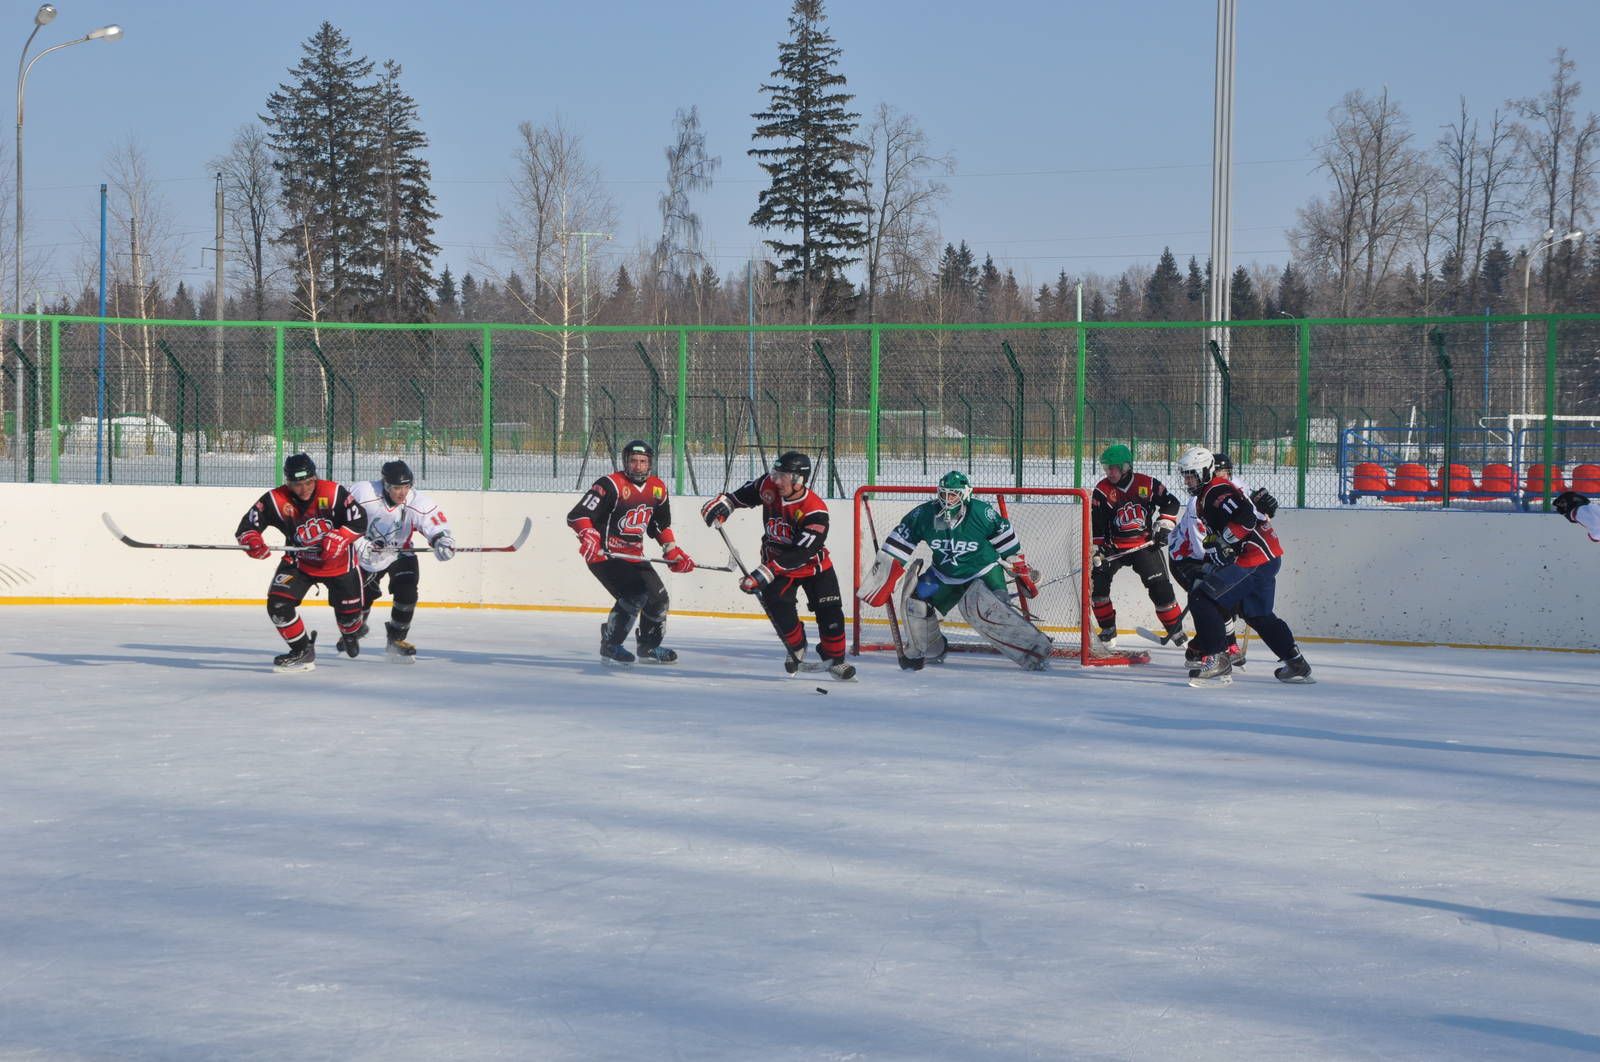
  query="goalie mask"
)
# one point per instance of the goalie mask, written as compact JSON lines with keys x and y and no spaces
{"x":1200,"y":463}
{"x":955,"y":490}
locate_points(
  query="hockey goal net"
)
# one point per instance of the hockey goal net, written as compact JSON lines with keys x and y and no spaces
{"x":1052,"y":524}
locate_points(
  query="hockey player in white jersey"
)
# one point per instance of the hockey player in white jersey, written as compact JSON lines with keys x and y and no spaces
{"x":1579,"y":510}
{"x":396,"y":510}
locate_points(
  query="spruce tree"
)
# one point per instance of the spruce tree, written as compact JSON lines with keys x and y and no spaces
{"x":447,"y":297}
{"x":320,"y":124}
{"x":814,"y":192}
{"x":1163,"y":292}
{"x":469,"y":298}
{"x":1293,"y":298}
{"x":405,"y":202}
{"x":1243,"y":305}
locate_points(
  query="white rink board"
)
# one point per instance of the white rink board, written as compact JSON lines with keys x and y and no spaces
{"x":1429,"y":577}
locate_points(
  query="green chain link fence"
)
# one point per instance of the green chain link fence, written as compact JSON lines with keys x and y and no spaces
{"x":1491,"y":411}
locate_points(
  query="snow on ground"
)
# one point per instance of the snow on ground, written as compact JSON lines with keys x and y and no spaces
{"x":507,"y":851}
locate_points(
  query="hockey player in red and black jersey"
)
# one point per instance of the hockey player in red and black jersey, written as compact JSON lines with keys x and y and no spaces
{"x":320,"y":516}
{"x":1132,"y":517}
{"x":1243,"y":575}
{"x":611,"y":521}
{"x":794,"y":554}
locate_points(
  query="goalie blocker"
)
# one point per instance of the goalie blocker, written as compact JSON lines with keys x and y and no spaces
{"x":1046,"y":610}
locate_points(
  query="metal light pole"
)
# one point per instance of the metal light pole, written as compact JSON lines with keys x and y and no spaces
{"x":1550,"y":240}
{"x":41,"y":18}
{"x":583,"y":267}
{"x":1218,"y":304}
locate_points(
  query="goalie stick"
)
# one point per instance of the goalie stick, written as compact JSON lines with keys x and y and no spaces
{"x":127,"y":540}
{"x":894,"y":619}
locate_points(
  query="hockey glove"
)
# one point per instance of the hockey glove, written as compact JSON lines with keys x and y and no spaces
{"x":1225,"y":551}
{"x":756,"y":580}
{"x":335,"y":545}
{"x":444,"y":547}
{"x":677,"y":560}
{"x":364,"y":548}
{"x":1567,"y":503}
{"x":1162,"y":534}
{"x":1027,"y":578}
{"x":589,"y":546}
{"x":716,"y":510}
{"x":256,"y":548}
{"x":1102,"y":554}
{"x":1265,"y":502}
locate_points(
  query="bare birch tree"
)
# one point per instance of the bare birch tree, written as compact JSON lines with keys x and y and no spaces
{"x":899,"y":198}
{"x":144,"y":224}
{"x":249,"y":195}
{"x":1559,"y":149}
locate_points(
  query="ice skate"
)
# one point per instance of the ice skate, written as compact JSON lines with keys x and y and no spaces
{"x":302,"y":655}
{"x":1295,"y":669}
{"x":840,"y":670}
{"x":350,"y":644}
{"x":610,"y":652}
{"x":1214,"y":670}
{"x":398,"y":649}
{"x":658,"y":655}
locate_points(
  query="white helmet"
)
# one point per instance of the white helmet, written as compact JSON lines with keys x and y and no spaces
{"x":1201,"y":462}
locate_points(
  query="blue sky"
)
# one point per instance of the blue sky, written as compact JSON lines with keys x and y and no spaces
{"x":1082,"y":132}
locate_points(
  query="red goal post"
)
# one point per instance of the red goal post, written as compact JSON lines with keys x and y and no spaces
{"x":1053,"y":525}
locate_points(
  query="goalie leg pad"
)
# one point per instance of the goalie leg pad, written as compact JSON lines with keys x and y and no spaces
{"x":1005,"y":628}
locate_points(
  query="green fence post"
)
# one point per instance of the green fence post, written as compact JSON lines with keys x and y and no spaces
{"x":679,"y":433}
{"x":351,"y":392}
{"x":1303,"y":415}
{"x":964,"y":402}
{"x":555,"y":433}
{"x":1437,"y":335}
{"x":487,"y":437}
{"x":55,"y":402}
{"x":655,"y":395}
{"x":1077,"y":420}
{"x":1016,"y":413}
{"x":1550,"y":331}
{"x":277,"y":397}
{"x":874,"y":409}
{"x":1227,"y":393}
{"x":422,"y":424}
{"x":183,"y":390}
{"x":833,"y":409}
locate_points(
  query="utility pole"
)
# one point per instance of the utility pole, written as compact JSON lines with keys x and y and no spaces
{"x":583,"y":268}
{"x":216,"y":380}
{"x":1218,"y":304}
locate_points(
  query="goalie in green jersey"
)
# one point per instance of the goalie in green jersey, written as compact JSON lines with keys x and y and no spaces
{"x":974,"y":550}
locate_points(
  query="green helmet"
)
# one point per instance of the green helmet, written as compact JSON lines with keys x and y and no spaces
{"x":955,"y":490}
{"x":1118,"y":456}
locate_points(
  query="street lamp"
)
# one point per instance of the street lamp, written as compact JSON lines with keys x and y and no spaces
{"x":42,"y":18}
{"x":1550,"y":239}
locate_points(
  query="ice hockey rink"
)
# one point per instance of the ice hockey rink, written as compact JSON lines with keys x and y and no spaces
{"x":508,"y":851}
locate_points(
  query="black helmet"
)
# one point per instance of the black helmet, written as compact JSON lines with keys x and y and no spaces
{"x":1224,"y":463}
{"x":397,"y":474}
{"x":638,"y":446}
{"x":298,"y":468}
{"x":796,"y":464}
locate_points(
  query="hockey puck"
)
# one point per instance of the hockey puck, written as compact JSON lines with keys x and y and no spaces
{"x":821,"y":690}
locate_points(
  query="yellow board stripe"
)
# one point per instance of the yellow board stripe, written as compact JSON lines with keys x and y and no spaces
{"x":581,"y":609}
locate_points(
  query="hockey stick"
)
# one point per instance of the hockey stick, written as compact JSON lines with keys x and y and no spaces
{"x":1145,"y":632}
{"x":111,"y":525}
{"x":1048,"y":582}
{"x":522,"y":537}
{"x":698,"y":567}
{"x":894,"y":619}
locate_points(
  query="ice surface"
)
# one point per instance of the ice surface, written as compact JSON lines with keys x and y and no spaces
{"x":507,"y":851}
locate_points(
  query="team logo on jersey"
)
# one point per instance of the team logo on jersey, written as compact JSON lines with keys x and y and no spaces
{"x":778,"y":530}
{"x":657,"y":493}
{"x":956,"y":548}
{"x":1144,"y":491}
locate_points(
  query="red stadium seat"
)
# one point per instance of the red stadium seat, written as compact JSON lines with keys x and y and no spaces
{"x":1498,"y":481}
{"x":1411,"y":478}
{"x":1534,"y":484}
{"x":1586,"y":479}
{"x":1370,"y":478}
{"x":1460,"y":480}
